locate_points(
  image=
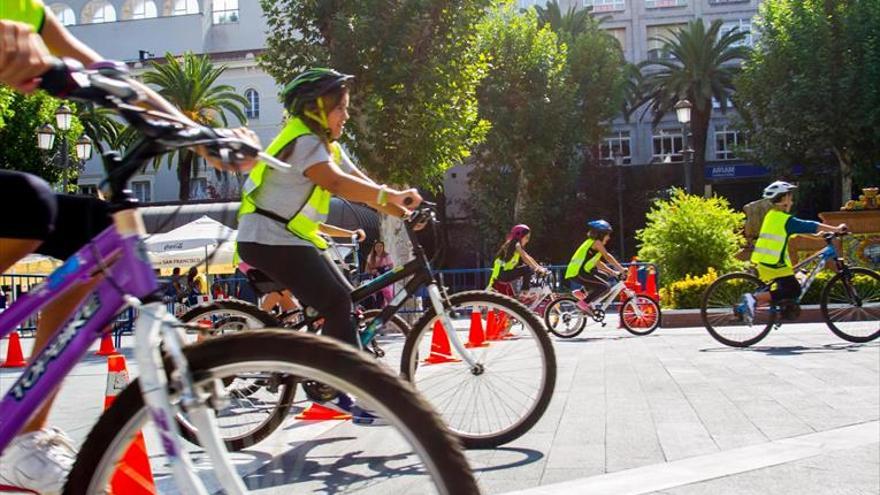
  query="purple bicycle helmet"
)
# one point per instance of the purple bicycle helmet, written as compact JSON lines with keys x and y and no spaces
{"x":518,"y":232}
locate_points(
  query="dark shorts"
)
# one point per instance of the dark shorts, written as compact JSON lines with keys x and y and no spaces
{"x":785,"y":288}
{"x":64,"y":222}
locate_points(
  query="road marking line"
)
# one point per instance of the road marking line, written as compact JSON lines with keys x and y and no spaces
{"x":705,"y":467}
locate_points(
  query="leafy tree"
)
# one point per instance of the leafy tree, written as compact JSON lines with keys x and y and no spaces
{"x":413,"y":107}
{"x":809,"y":93}
{"x":190,"y":84}
{"x":697,"y":64}
{"x":689,"y":234}
{"x":21,"y":117}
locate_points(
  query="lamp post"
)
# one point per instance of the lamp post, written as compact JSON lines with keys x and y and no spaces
{"x":62,"y":118}
{"x":683,"y":114}
{"x":618,"y":164}
{"x":46,"y":141}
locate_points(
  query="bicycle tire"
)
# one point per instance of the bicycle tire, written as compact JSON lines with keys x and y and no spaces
{"x":872,"y":314}
{"x":651,"y":307}
{"x":552,"y":326}
{"x":713,"y":317}
{"x":487,"y":299}
{"x":287,"y":385}
{"x":395,"y":401}
{"x":396,"y":320}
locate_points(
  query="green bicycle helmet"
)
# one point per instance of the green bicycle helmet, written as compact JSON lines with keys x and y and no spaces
{"x":309,"y":86}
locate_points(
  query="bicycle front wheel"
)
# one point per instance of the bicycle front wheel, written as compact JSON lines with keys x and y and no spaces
{"x":564,"y":318}
{"x":851,"y":305}
{"x":416,"y":454}
{"x":725,"y":318}
{"x":640,"y":315}
{"x":508,"y":391}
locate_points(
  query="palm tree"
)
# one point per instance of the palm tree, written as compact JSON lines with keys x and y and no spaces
{"x":573,"y":22}
{"x":101,"y":126}
{"x":697,"y":64}
{"x":190,"y":86}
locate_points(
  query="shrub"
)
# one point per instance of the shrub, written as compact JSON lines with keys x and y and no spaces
{"x":688,"y":234}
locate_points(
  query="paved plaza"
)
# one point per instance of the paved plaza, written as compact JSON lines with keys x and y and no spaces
{"x":673,"y":413}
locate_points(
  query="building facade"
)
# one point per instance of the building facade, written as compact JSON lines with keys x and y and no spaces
{"x":231,"y":32}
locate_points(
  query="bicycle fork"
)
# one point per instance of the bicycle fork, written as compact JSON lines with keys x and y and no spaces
{"x":155,"y":326}
{"x":440,"y":310}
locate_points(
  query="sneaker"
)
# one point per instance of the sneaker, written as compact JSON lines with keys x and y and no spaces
{"x":37,"y":461}
{"x":363,"y":417}
{"x":747,"y":306}
{"x":579,"y":293}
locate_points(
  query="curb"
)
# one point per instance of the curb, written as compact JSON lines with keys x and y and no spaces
{"x":684,"y":318}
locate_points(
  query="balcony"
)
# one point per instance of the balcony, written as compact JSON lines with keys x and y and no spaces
{"x":662,"y":4}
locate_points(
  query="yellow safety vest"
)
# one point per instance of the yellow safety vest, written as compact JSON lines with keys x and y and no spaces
{"x":498,"y":265}
{"x":306,"y":221}
{"x":31,"y":12}
{"x":580,"y":260}
{"x":771,"y":254}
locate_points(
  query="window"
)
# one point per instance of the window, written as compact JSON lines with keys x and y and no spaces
{"x":740,"y":25}
{"x":617,"y":142}
{"x":142,"y":190}
{"x":668,"y":145}
{"x":98,"y":11}
{"x":727,"y":140}
{"x":660,"y":4}
{"x":184,"y":7}
{"x":620,"y":35}
{"x":252,"y":110}
{"x":605,"y":5}
{"x":141,"y":9}
{"x":198,"y":188}
{"x":225,"y":11}
{"x":64,"y":14}
{"x":656,"y":36}
{"x":722,"y":2}
{"x":88,"y":189}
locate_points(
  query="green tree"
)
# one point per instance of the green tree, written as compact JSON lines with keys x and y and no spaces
{"x":101,"y":126}
{"x":689,"y":234}
{"x":191,"y":85}
{"x":809,"y":94}
{"x":21,"y":117}
{"x":413,"y":107}
{"x":568,"y":24}
{"x":697,"y":64}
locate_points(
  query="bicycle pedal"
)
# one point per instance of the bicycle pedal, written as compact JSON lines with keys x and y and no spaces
{"x":604,"y":324}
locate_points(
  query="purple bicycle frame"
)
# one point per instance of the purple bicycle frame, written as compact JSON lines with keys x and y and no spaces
{"x":127,"y":272}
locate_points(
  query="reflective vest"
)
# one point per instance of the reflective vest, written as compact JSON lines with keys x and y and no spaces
{"x":580,"y":260}
{"x":31,"y":12}
{"x":500,"y":265}
{"x":306,"y":221}
{"x":771,"y":254}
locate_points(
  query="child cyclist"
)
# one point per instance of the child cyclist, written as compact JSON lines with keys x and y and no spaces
{"x":770,"y":255}
{"x":588,"y":268}
{"x":507,"y":266}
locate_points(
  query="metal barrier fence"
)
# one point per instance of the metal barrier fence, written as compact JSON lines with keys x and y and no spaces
{"x":12,"y":287}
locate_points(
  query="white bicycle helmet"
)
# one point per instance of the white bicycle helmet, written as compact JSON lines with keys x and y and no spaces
{"x":778,"y":188}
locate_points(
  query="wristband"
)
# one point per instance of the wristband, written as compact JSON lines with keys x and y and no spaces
{"x":382,"y":197}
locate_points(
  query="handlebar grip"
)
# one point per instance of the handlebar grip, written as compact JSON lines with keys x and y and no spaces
{"x":57,"y":81}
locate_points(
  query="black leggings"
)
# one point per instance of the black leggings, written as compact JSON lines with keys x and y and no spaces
{"x":595,"y":283}
{"x":522,"y":271}
{"x":311,"y":279}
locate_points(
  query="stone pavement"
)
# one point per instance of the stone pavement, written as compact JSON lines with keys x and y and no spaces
{"x":674,"y":413}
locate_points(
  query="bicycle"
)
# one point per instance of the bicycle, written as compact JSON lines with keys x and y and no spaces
{"x":537,"y":297}
{"x":459,"y":364}
{"x":192,"y":388}
{"x":639,"y":314}
{"x":849,"y":302}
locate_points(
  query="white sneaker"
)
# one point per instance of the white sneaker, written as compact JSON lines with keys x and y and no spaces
{"x":37,"y":461}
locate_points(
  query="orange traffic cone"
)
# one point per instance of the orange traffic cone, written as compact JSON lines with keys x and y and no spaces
{"x":440,"y":351}
{"x":632,"y":276}
{"x":107,"y":348}
{"x":317,"y":412}
{"x":14,"y":356}
{"x":133,"y":474}
{"x":492,"y":325}
{"x":497,"y":329}
{"x":476,"y":337}
{"x":651,"y":284}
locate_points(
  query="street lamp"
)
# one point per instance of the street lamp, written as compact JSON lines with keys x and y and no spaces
{"x":64,"y":117}
{"x":683,"y":114}
{"x":84,"y":148}
{"x":46,"y":137}
{"x":618,"y":163}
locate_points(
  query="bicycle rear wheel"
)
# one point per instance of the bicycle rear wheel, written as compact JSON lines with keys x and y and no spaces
{"x":509,"y":390}
{"x":724,"y":318}
{"x":416,"y":452}
{"x":851,"y":305}
{"x":564,"y":318}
